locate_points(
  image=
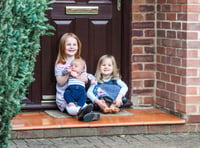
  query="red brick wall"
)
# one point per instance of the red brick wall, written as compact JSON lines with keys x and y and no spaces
{"x":171,"y":55}
{"x":143,"y":51}
{"x":165,"y":55}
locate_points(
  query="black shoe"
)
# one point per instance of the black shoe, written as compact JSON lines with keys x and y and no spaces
{"x":84,"y":111}
{"x":91,"y":117}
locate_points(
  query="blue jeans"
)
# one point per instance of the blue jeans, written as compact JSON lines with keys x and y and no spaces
{"x":75,"y":94}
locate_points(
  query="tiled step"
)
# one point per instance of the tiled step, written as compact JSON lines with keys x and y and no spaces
{"x":130,"y":121}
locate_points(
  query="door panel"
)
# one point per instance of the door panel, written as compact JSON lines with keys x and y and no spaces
{"x":99,"y":33}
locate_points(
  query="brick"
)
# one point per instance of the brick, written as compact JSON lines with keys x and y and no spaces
{"x":30,"y":134}
{"x":161,"y":1}
{"x":175,"y":79}
{"x":192,"y":17}
{"x":139,"y":2}
{"x":138,"y":17}
{"x":161,"y":67}
{"x":191,"y":108}
{"x":176,"y":43}
{"x":171,"y":16}
{"x":193,"y":26}
{"x":149,"y":49}
{"x":149,"y":83}
{"x":165,"y":77}
{"x":160,"y":85}
{"x":143,"y":58}
{"x":182,"y":1}
{"x":193,"y":118}
{"x":135,"y":129}
{"x":176,"y":61}
{"x":192,"y":100}
{"x":171,"y":34}
{"x":171,"y":2}
{"x":171,"y":69}
{"x":176,"y":26}
{"x":193,"y":44}
{"x":181,"y":89}
{"x":170,"y":87}
{"x":137,"y":50}
{"x":146,"y":8}
{"x":150,"y":16}
{"x":138,"y":33}
{"x":161,"y":16}
{"x":193,"y":8}
{"x":148,"y":100}
{"x":180,"y":107}
{"x":136,"y":67}
{"x":182,"y":17}
{"x":143,"y":91}
{"x":84,"y":131}
{"x":159,"y":129}
{"x":150,"y":1}
{"x":149,"y":33}
{"x":136,"y":84}
{"x":166,"y":8}
{"x":170,"y":105}
{"x":57,"y":133}
{"x":165,"y":25}
{"x":173,"y":96}
{"x":164,"y":94}
{"x":143,"y":42}
{"x":161,"y":33}
{"x":192,"y":54}
{"x":193,"y":63}
{"x":181,"y":53}
{"x":183,"y":128}
{"x":143,"y":25}
{"x":181,"y":35}
{"x":192,"y":91}
{"x":160,"y":101}
{"x":160,"y":50}
{"x":149,"y":67}
{"x":143,"y":75}
{"x":192,"y":35}
{"x":193,"y":1}
{"x":166,"y":60}
{"x":158,"y":58}
{"x":176,"y":8}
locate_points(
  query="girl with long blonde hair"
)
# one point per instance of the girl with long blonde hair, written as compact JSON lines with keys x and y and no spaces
{"x":109,"y":93}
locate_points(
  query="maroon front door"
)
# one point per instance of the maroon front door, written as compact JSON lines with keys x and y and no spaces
{"x":102,"y":28}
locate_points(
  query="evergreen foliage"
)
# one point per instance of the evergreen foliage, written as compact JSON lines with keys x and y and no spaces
{"x":22,"y":22}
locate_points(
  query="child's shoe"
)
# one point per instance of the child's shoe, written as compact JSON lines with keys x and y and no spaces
{"x":83,"y":111}
{"x":91,"y":117}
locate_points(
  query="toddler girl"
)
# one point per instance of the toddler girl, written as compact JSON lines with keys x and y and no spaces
{"x":110,"y":91}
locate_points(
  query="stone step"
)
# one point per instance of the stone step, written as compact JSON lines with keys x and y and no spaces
{"x":52,"y":123}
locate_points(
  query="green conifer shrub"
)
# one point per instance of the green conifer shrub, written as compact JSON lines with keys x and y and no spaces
{"x":22,"y":22}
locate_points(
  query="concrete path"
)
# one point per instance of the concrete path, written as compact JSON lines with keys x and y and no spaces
{"x":122,"y":141}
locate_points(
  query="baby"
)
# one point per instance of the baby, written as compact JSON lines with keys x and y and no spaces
{"x":75,"y":93}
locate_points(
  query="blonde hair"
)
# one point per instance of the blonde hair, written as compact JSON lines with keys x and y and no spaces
{"x":61,"y":58}
{"x":81,"y":61}
{"x":115,"y":73}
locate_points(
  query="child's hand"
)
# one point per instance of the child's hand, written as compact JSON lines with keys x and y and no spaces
{"x":74,"y":74}
{"x":118,"y":101}
{"x":93,"y":81}
{"x":83,"y":78}
{"x":68,"y":70}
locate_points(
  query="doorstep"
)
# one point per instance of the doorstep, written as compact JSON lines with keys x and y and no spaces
{"x":42,"y":124}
